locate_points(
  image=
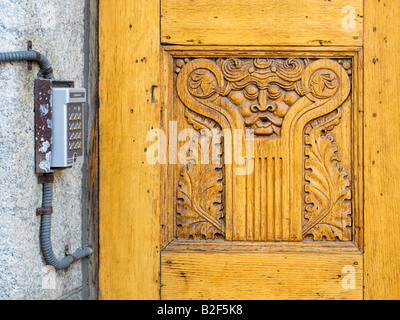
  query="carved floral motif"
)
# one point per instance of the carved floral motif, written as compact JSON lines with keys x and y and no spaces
{"x":327,"y":190}
{"x":199,"y":207}
{"x":200,"y":212}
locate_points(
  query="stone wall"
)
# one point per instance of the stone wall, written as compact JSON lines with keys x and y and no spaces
{"x":57,"y":29}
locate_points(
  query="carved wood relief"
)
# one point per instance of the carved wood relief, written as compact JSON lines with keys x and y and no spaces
{"x":297,"y":188}
{"x":200,"y":212}
{"x":327,"y":189}
{"x":262,"y":90}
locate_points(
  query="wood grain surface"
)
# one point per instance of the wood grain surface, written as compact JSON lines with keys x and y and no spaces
{"x":129,"y":185}
{"x":262,"y":22}
{"x":260,"y":276}
{"x":382,"y":150}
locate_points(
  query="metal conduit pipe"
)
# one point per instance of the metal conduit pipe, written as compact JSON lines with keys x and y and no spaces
{"x":46,"y":71}
{"x":45,"y":235}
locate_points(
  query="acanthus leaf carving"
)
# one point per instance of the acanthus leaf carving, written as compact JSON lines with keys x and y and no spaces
{"x":200,"y":213}
{"x":327,"y":189}
{"x":199,"y":206}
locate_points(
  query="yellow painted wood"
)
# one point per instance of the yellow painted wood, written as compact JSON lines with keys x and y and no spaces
{"x":193,"y":246}
{"x":382,"y":149}
{"x":260,"y":276}
{"x":129,"y":186}
{"x":262,"y":22}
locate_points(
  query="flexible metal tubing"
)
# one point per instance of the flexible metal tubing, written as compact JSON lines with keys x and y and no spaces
{"x":45,"y":236}
{"x":46,"y":71}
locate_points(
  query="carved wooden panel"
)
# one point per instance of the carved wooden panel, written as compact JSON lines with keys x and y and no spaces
{"x":296,"y":183}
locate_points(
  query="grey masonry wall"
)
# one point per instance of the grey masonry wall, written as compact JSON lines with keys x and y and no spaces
{"x":57,"y":29}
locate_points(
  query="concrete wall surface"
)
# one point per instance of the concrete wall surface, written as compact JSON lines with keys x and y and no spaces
{"x":57,"y":29}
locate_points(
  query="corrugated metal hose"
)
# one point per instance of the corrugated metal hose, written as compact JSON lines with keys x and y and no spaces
{"x":45,"y":236}
{"x":46,"y":71}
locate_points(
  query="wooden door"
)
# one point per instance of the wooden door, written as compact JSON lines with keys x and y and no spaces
{"x":239,"y":149}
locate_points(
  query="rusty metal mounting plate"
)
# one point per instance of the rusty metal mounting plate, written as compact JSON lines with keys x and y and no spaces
{"x":44,"y":122}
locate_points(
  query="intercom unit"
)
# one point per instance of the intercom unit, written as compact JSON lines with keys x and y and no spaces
{"x":68,"y":138}
{"x":59,"y":125}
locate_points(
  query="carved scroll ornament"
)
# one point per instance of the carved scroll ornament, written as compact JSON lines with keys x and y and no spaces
{"x":262,"y":90}
{"x":277,"y":98}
